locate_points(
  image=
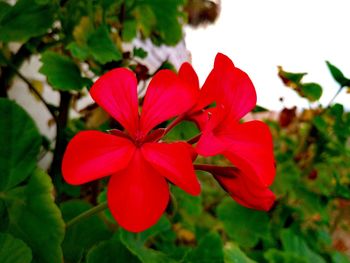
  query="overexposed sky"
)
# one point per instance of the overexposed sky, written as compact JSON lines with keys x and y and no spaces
{"x":259,"y":35}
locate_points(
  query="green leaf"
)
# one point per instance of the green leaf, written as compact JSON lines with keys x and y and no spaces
{"x":296,"y":245}
{"x":337,"y":257}
{"x":312,"y":91}
{"x":129,"y":30}
{"x":289,"y":78}
{"x":276,"y":256}
{"x":62,"y":73}
{"x":83,"y":235}
{"x":102,"y":47}
{"x":139,"y":52}
{"x":80,"y":52}
{"x":146,"y":255}
{"x":35,"y":218}
{"x":208,"y":250}
{"x":183,"y":131}
{"x":26,"y":19}
{"x":338,"y":75}
{"x":245,"y":226}
{"x":20,"y":144}
{"x":233,"y":254}
{"x":110,"y":251}
{"x":13,"y":250}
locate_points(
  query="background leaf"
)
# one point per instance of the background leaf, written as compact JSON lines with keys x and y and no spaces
{"x":25,"y":19}
{"x":20,"y":143}
{"x":13,"y":250}
{"x":35,"y":218}
{"x":62,"y":73}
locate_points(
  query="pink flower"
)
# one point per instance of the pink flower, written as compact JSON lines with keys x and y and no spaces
{"x":248,"y":146}
{"x":138,"y":163}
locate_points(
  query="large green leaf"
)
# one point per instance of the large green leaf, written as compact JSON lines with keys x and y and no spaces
{"x":276,"y":256}
{"x":101,"y":46}
{"x":35,"y":218}
{"x":137,"y":247}
{"x":13,"y":250}
{"x":246,"y":226}
{"x":209,"y":250}
{"x":83,"y":235}
{"x":62,"y":73}
{"x":233,"y":254}
{"x":26,"y":19}
{"x":111,"y":251}
{"x":296,"y":245}
{"x":20,"y":144}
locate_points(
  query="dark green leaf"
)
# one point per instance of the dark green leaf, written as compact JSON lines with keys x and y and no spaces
{"x":25,"y":19}
{"x":111,"y":251}
{"x":183,"y":131}
{"x":35,"y":218}
{"x":311,"y":91}
{"x":20,"y":144}
{"x":80,"y":52}
{"x":129,"y":30}
{"x":208,"y":250}
{"x":296,"y":245}
{"x":82,"y":236}
{"x":62,"y":73}
{"x":146,"y":255}
{"x":338,"y":75}
{"x":139,"y":52}
{"x":233,"y":254}
{"x":276,"y":256}
{"x":13,"y":250}
{"x":101,"y":46}
{"x":246,"y":226}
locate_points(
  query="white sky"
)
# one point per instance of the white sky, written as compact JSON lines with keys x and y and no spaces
{"x":259,"y":35}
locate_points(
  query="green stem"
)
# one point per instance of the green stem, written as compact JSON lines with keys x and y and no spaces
{"x":87,"y":214}
{"x":334,"y":97}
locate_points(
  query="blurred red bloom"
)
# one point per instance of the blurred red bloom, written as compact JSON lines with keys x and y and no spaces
{"x":137,"y":192}
{"x":248,"y":146}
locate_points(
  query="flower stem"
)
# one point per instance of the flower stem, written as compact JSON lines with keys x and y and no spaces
{"x":87,"y":214}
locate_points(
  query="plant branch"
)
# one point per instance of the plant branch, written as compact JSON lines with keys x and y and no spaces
{"x":335,"y":96}
{"x":33,"y":89}
{"x":173,"y":124}
{"x":94,"y":210}
{"x":61,"y":125}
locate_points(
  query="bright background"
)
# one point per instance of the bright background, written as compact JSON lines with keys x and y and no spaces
{"x":258,"y":36}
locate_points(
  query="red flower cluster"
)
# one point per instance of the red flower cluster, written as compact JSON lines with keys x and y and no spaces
{"x":140,"y":163}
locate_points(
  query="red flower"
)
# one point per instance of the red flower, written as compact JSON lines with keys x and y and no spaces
{"x":140,"y":165}
{"x":248,"y":146}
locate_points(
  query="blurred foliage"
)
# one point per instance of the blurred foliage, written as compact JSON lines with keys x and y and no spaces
{"x":78,"y":40}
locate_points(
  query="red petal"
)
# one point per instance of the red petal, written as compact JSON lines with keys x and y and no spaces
{"x":248,"y":146}
{"x":116,"y":93}
{"x":252,"y":152}
{"x":167,"y":96}
{"x":189,"y":76}
{"x":173,"y":161}
{"x":214,"y":140}
{"x":138,"y":195}
{"x":246,"y":193}
{"x":230,"y":87}
{"x":92,"y":154}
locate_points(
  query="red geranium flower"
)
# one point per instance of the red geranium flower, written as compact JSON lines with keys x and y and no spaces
{"x":140,"y":165}
{"x":248,"y":146}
